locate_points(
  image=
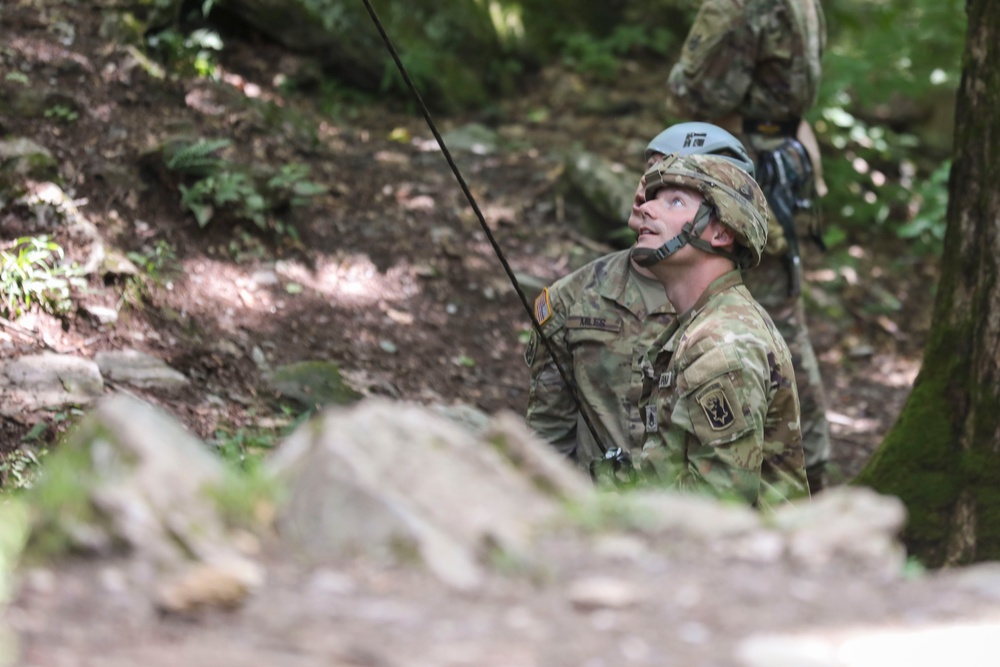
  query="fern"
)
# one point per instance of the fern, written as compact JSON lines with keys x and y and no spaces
{"x":198,"y":158}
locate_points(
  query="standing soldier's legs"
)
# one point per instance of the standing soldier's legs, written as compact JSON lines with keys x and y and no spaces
{"x":769,"y":285}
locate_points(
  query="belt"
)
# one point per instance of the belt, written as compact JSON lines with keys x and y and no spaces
{"x":771,"y":128}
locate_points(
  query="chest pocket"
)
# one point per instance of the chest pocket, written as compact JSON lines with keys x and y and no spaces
{"x":715,"y":397}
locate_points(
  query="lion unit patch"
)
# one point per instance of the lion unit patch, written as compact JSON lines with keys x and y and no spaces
{"x":716,"y":406}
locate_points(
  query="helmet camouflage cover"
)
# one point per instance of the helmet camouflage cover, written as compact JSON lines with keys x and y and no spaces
{"x":734,"y":195}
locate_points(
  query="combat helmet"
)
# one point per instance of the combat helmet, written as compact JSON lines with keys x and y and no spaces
{"x":730,"y":193}
{"x":696,"y":138}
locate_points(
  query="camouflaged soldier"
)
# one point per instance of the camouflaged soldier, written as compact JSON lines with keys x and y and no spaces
{"x":754,"y":65}
{"x":601,"y":320}
{"x":719,"y":398}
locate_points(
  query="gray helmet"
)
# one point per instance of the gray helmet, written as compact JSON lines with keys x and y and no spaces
{"x":701,"y":139}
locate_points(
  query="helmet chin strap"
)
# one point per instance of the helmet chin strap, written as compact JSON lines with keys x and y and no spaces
{"x":690,"y":234}
{"x":647,"y":257}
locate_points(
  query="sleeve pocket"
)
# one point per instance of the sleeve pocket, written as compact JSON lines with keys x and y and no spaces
{"x":715,"y":400}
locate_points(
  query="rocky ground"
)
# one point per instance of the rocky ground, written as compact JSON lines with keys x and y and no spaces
{"x":390,"y":277}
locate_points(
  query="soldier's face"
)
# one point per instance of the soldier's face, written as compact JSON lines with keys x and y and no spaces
{"x":635,"y":217}
{"x":663,"y":217}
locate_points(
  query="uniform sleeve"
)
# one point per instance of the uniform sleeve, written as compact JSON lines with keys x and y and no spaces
{"x":718,"y":421}
{"x":716,"y":65}
{"x":552,"y":413}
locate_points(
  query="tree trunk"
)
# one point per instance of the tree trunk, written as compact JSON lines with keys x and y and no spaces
{"x":942,"y":457}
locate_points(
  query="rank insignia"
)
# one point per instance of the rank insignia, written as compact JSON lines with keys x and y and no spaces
{"x":651,"y":422}
{"x":716,"y":406}
{"x":542,"y":309}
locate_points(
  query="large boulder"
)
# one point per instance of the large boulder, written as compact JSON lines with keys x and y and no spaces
{"x":397,"y":481}
{"x":47,"y":380}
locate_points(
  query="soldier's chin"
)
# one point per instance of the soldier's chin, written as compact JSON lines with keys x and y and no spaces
{"x":645,"y":257}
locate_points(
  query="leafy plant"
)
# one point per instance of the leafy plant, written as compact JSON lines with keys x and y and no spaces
{"x":601,"y":57}
{"x":292,"y":182}
{"x":199,"y":158}
{"x":191,"y":54}
{"x":31,"y":274}
{"x":156,"y":261}
{"x":61,"y":113}
{"x":931,"y":204}
{"x":19,"y":468}
{"x":220,"y":184}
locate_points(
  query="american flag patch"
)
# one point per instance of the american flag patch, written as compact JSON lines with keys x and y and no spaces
{"x":542,"y":310}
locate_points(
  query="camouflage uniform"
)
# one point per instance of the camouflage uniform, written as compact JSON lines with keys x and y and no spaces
{"x":720,"y":404}
{"x":761,"y":59}
{"x":597,"y":322}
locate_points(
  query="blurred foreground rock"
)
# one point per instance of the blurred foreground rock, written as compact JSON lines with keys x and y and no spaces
{"x":130,"y":478}
{"x":397,"y":481}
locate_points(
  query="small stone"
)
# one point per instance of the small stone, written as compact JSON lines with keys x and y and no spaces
{"x":602,"y":593}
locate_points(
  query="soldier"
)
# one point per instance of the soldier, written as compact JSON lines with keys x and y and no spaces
{"x":600,"y":320}
{"x":719,"y":400}
{"x":755,"y":66}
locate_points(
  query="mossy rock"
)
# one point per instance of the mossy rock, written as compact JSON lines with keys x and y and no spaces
{"x":312,"y":383}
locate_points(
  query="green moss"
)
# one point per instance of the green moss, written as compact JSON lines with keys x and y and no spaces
{"x":60,"y":502}
{"x":919,"y":460}
{"x":247,"y":498}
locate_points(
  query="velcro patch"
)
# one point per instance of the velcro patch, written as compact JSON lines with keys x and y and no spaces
{"x":713,"y":401}
{"x":600,"y":323}
{"x":529,"y":352}
{"x":665,"y":379}
{"x":651,"y":421}
{"x":543,"y":311}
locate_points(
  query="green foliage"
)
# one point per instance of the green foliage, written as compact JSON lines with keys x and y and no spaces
{"x":19,"y":468}
{"x":218,"y":184}
{"x":14,"y":528}
{"x":192,"y":54}
{"x":601,"y":57}
{"x":889,"y":76}
{"x":155,"y":261}
{"x":60,"y":501}
{"x":928,"y":226}
{"x":199,"y":158}
{"x":220,"y":189}
{"x":292,"y":183}
{"x":882,"y":51}
{"x":31,"y":274}
{"x":17,"y":77}
{"x":61,"y":113}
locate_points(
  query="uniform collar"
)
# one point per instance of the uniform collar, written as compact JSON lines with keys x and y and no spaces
{"x":620,"y":286}
{"x":726,"y":281}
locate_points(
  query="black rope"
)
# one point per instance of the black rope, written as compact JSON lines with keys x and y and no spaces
{"x":482,"y":223}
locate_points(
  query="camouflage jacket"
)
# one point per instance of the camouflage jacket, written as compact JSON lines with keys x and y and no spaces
{"x":720,"y":404}
{"x":596,"y":321}
{"x":758,"y":58}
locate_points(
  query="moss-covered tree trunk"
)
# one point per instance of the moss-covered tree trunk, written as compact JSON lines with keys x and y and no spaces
{"x":942,"y":457}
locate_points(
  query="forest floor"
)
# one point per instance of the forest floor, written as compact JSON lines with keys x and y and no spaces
{"x":390,"y":277}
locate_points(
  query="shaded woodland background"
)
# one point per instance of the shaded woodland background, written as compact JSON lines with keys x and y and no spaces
{"x":244,"y":155}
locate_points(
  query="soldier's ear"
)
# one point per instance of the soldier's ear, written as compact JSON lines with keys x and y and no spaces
{"x":720,"y":235}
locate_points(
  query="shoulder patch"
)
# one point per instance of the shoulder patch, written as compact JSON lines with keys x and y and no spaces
{"x":716,"y":406}
{"x":529,"y":352}
{"x":543,"y":311}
